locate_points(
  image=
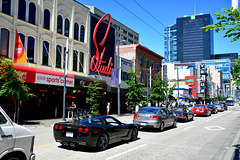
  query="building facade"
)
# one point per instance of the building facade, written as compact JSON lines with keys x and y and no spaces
{"x":193,"y":44}
{"x":231,"y":56}
{"x":170,"y":43}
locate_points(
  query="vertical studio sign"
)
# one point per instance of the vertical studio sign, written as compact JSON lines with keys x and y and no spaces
{"x":97,"y":64}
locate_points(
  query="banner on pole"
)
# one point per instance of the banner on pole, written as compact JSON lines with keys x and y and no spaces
{"x":114,"y":77}
{"x":19,"y":55}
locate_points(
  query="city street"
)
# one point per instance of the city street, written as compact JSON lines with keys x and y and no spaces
{"x":205,"y":138}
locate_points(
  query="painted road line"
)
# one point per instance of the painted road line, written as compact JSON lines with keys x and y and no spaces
{"x":46,"y":145}
{"x":218,"y":116}
{"x":187,"y":128}
{"x":117,"y":155}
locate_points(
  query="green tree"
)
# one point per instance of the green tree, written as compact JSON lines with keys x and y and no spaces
{"x":160,"y":89}
{"x":13,"y":86}
{"x":236,"y":72}
{"x":134,"y":90}
{"x":94,"y":95}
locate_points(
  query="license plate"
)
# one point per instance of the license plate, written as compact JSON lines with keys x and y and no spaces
{"x":197,"y":109}
{"x":69,"y":134}
{"x":143,"y":124}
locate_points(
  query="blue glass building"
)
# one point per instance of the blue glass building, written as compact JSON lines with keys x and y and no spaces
{"x":170,"y":43}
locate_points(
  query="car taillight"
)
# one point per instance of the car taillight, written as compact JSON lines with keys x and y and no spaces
{"x":32,"y":144}
{"x":136,"y":115}
{"x":180,"y":115}
{"x":154,"y":116}
{"x":56,"y":126}
{"x":86,"y":130}
{"x":80,"y":129}
{"x":60,"y":127}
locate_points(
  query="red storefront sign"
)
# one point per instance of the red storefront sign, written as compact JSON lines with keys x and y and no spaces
{"x":42,"y":76}
{"x":192,"y":82}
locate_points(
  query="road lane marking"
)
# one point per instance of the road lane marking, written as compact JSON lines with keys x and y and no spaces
{"x":214,"y":128}
{"x":218,"y":116}
{"x":117,"y":155}
{"x":46,"y":145}
{"x":187,"y":128}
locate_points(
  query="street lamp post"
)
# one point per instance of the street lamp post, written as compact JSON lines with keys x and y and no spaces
{"x":178,"y":86}
{"x":118,"y":82}
{"x":65,"y":77}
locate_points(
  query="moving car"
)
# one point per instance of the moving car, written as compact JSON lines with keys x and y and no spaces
{"x":201,"y":109}
{"x":219,"y":106}
{"x":16,"y":141}
{"x":155,"y":117}
{"x":225,"y":106}
{"x":213,"y":108}
{"x":99,"y":132}
{"x":183,"y":113}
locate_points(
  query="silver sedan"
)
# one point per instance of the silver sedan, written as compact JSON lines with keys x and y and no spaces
{"x":155,"y":117}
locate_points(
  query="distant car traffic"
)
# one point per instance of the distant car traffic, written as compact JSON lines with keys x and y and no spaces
{"x":155,"y":117}
{"x":96,"y":132}
{"x":213,"y":108}
{"x":201,"y":109}
{"x":219,"y":106}
{"x":183,"y":113}
{"x":225,"y":106}
{"x":230,"y":102}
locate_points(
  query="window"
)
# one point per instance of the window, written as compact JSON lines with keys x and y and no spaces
{"x":3,"y":120}
{"x":130,"y":41}
{"x":22,"y":10}
{"x":124,"y":38}
{"x":117,"y":34}
{"x":141,"y":61}
{"x":130,"y":35}
{"x":66,"y":30}
{"x":81,"y":60}
{"x":4,"y":42}
{"x":75,"y":60}
{"x":45,"y":53}
{"x":152,"y":65}
{"x":76,"y":31}
{"x":141,"y":77}
{"x":123,"y":31}
{"x":118,"y":28}
{"x":30,"y":49}
{"x":59,"y":24}
{"x":6,"y":7}
{"x":157,"y":67}
{"x":82,"y":33}
{"x":32,"y":13}
{"x":147,"y":63}
{"x":22,"y":38}
{"x":136,"y":38}
{"x":46,"y":23}
{"x":58,"y":56}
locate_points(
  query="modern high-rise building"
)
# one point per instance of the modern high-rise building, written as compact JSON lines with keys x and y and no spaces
{"x":170,"y":43}
{"x":193,"y":44}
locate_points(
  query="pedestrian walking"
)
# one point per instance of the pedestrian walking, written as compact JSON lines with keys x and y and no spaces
{"x":149,"y":103}
{"x":73,"y":108}
{"x":108,"y":107}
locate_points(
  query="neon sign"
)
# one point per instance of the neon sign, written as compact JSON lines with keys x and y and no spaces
{"x":97,"y":64}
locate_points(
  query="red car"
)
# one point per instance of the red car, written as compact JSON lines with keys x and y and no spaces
{"x":201,"y":109}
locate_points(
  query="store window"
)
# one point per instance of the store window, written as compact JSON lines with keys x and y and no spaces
{"x":76,"y":31}
{"x":32,"y":13}
{"x":75,"y":60}
{"x":58,"y":56}
{"x":30,"y":49}
{"x":4,"y":42}
{"x":45,"y":54}
{"x":66,"y":30}
{"x":82,"y":32}
{"x":46,"y":23}
{"x":22,"y":10}
{"x":81,"y":64}
{"x":59,"y":24}
{"x":6,"y":7}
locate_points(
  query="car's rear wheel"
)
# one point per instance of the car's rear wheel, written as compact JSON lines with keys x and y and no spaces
{"x":192,"y":118}
{"x":186,"y":119}
{"x":174,"y":124}
{"x":134,"y":134}
{"x":102,"y":143}
{"x":161,"y":128}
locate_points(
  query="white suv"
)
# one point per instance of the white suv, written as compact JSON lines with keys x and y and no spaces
{"x":16,"y":142}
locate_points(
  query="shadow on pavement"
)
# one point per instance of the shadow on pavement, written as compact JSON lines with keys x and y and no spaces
{"x":29,"y":123}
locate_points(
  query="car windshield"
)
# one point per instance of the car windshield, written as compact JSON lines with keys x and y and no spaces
{"x":178,"y":109}
{"x":149,"y":110}
{"x":96,"y":120}
{"x":199,"y":106}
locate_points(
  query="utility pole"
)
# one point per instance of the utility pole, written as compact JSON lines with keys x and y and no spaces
{"x":65,"y":77}
{"x":118,"y":82}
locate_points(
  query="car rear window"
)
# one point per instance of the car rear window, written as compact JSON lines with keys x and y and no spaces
{"x":199,"y":106}
{"x":178,"y":109}
{"x":97,"y":120}
{"x":149,"y":110}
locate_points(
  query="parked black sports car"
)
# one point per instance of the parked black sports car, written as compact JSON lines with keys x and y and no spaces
{"x":213,"y":108}
{"x":94,"y":132}
{"x":183,"y":113}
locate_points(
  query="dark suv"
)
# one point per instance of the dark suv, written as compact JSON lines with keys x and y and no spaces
{"x":213,"y":108}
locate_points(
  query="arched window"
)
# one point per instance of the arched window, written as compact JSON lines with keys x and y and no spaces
{"x":81,"y":60}
{"x":4,"y":42}
{"x":6,"y":7}
{"x":59,"y":24}
{"x":32,"y":13}
{"x":141,"y":77}
{"x":75,"y":60}
{"x":82,"y":32}
{"x":58,"y":56}
{"x":22,"y":10}
{"x":141,"y":61}
{"x":46,"y":23}
{"x":22,"y":38}
{"x":76,"y":31}
{"x":45,"y":53}
{"x":147,"y":63}
{"x":66,"y":30}
{"x":30,"y":49}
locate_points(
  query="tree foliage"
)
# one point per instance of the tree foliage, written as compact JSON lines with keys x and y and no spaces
{"x":134,"y":90}
{"x":228,"y":22}
{"x":94,"y":95}
{"x":236,"y":72}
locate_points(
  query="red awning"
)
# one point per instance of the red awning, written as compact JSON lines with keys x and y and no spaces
{"x":43,"y":76}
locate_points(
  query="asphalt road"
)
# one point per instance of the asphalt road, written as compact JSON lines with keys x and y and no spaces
{"x":208,"y":138}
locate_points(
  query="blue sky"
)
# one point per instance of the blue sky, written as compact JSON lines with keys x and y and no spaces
{"x":166,"y":12}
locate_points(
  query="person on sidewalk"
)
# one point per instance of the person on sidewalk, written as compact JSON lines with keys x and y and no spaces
{"x":108,"y":107}
{"x":73,"y":109}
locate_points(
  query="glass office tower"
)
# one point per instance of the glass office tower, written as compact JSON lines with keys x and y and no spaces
{"x":193,"y":44}
{"x":170,"y":43}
